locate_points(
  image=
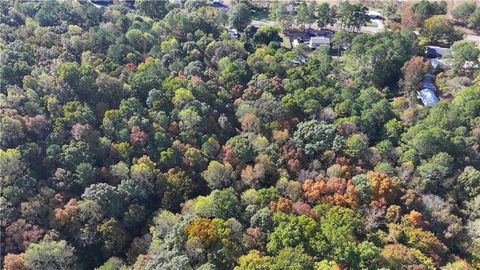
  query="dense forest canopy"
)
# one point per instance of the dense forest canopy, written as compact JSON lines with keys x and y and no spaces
{"x":144,"y":135}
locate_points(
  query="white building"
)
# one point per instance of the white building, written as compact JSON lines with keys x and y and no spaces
{"x":318,"y":41}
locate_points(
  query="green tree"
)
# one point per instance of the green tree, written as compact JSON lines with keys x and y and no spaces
{"x":218,"y":175}
{"x":426,"y":9}
{"x":293,"y":258}
{"x":439,"y":30}
{"x":379,"y":57}
{"x":469,"y":181}
{"x":463,"y":11}
{"x":114,"y":236}
{"x":106,"y":196}
{"x":154,"y":9}
{"x":265,"y":35}
{"x":352,"y":16}
{"x":474,"y":19}
{"x":12,"y":132}
{"x":292,"y":231}
{"x":326,"y":15}
{"x":242,"y":147}
{"x":315,"y":137}
{"x":356,"y":146}
{"x":210,"y":148}
{"x":225,"y":204}
{"x":239,"y":16}
{"x":47,"y":254}
{"x":464,"y":54}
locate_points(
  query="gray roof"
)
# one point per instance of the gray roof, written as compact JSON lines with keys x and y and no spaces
{"x":428,"y":97}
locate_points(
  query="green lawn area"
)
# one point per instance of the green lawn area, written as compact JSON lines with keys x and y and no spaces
{"x":286,"y":42}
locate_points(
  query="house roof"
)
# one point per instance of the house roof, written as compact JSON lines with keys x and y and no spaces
{"x":428,"y":97}
{"x":437,"y":50}
{"x":320,"y":40}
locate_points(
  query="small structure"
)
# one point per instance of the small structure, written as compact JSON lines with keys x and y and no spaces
{"x":318,"y":41}
{"x":290,"y":8}
{"x":298,"y":60}
{"x":427,"y":94}
{"x":220,"y":5}
{"x":374,"y":15}
{"x":295,"y":43}
{"x":435,"y":51}
{"x":428,"y":97}
{"x":233,"y":33}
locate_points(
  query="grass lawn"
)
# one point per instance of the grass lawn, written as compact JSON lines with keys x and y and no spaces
{"x":286,"y":42}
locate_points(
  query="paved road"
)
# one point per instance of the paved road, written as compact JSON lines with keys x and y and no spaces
{"x":473,"y":38}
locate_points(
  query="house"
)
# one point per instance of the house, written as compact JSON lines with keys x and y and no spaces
{"x":374,"y":15}
{"x":295,"y":43}
{"x":427,"y":97}
{"x":435,"y":51}
{"x":318,"y":41}
{"x":233,"y":33}
{"x":220,"y":5}
{"x":427,"y":94}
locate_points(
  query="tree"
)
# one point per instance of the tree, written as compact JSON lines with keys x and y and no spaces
{"x":210,"y":148}
{"x":55,"y":255}
{"x":239,"y":16}
{"x":114,"y":236}
{"x":469,"y":181}
{"x":339,"y":226}
{"x":154,"y":9}
{"x":254,"y":261}
{"x":436,"y":170}
{"x":242,"y":147}
{"x":218,"y":175}
{"x":12,"y":132}
{"x":397,"y":256}
{"x":474,"y":19}
{"x":380,"y":56}
{"x":279,"y":12}
{"x":225,"y":204}
{"x":383,"y":187}
{"x":314,"y":137}
{"x":426,"y":9}
{"x":326,"y":15}
{"x":292,"y":231}
{"x":356,"y":146}
{"x":305,"y":13}
{"x":293,"y":258}
{"x":105,"y":195}
{"x":14,"y":262}
{"x":265,"y":35}
{"x":85,"y":174}
{"x":464,"y":54}
{"x":463,"y":11}
{"x":352,"y":16}
{"x":410,"y":19}
{"x":413,"y":71}
{"x":439,"y":30}
{"x":21,"y":234}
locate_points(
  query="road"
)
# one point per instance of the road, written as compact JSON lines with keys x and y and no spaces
{"x":473,"y":38}
{"x":366,"y":29}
